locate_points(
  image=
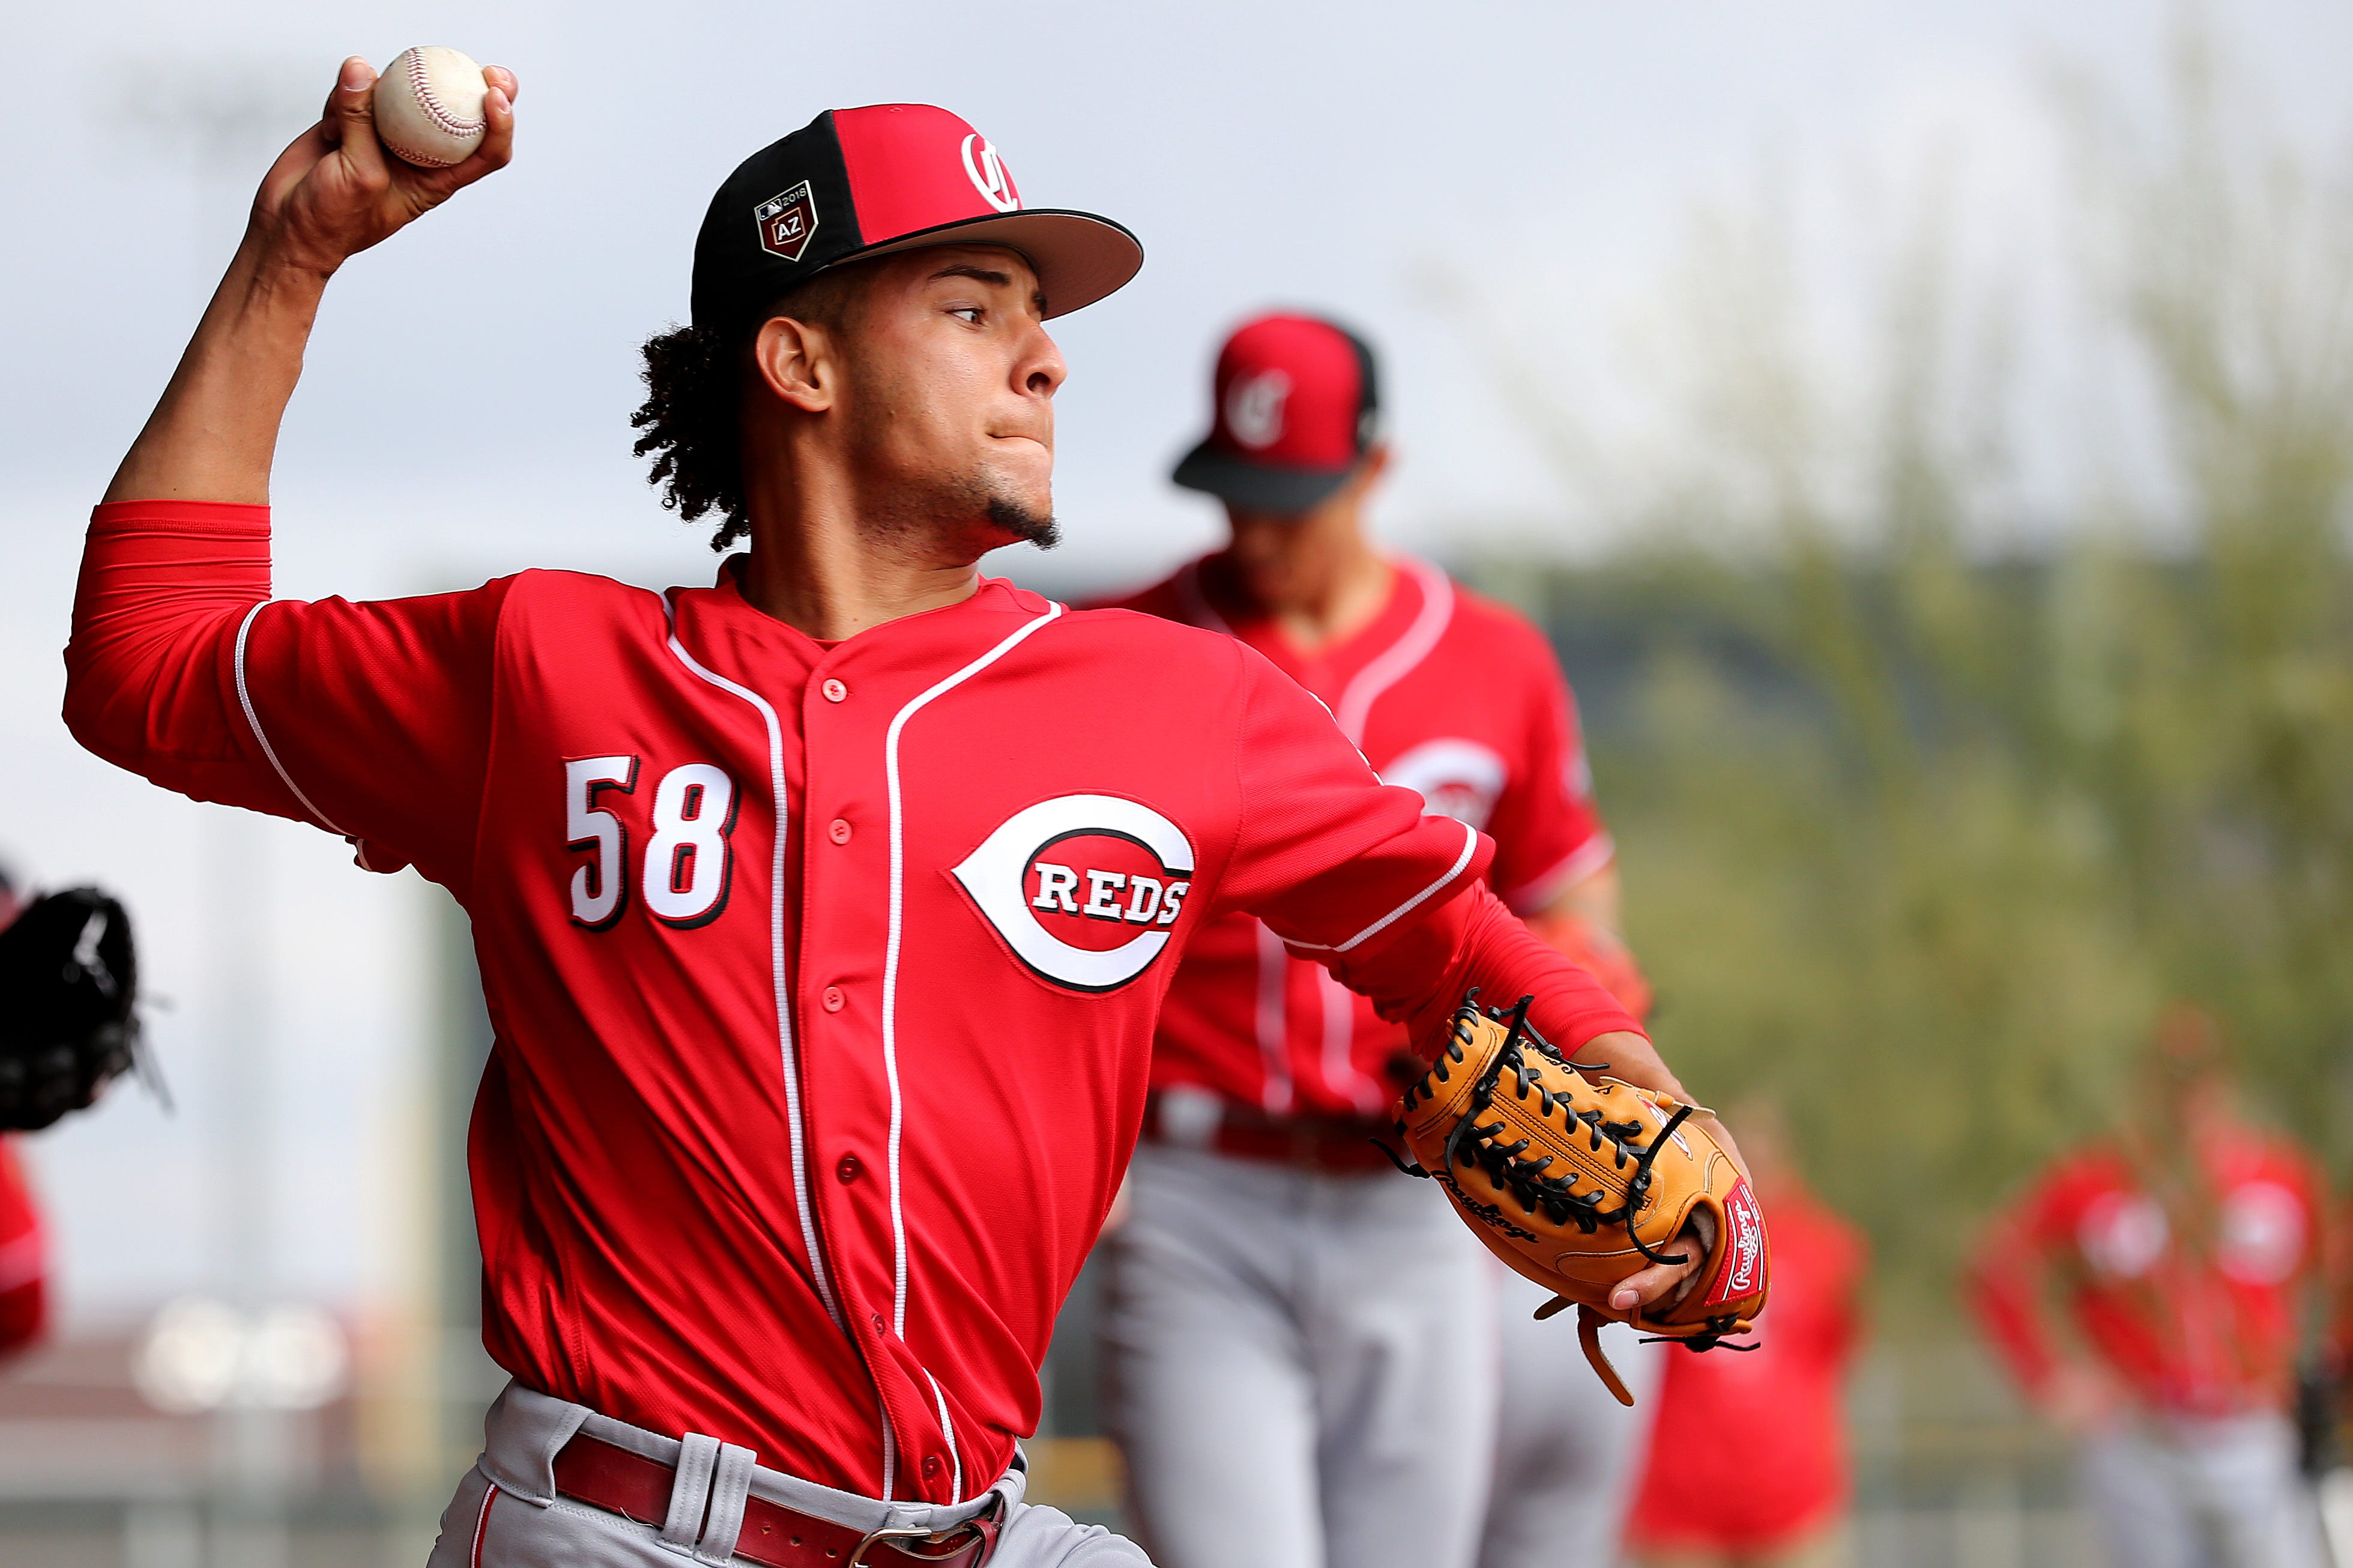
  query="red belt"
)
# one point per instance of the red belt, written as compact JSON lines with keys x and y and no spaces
{"x":618,"y":1481}
{"x":1327,"y":1145}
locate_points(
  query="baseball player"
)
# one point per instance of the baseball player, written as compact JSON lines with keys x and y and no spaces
{"x":823,"y":913}
{"x":24,"y":1243}
{"x":1747,"y":1464}
{"x":2184,"y":1246}
{"x":1288,"y":1326}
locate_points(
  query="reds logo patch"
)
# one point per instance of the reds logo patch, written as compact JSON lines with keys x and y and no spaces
{"x":1743,"y":1267}
{"x":1456,"y":778}
{"x":786,"y":222}
{"x":1254,"y":408}
{"x":988,"y":174}
{"x":1082,"y":887}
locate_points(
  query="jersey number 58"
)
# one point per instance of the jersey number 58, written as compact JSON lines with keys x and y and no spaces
{"x":687,"y":862}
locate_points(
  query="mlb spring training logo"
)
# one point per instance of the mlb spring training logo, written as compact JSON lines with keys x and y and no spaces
{"x":1082,"y":887}
{"x":786,"y":222}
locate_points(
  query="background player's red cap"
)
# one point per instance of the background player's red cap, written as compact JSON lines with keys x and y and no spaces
{"x":891,"y":176}
{"x":1296,"y":404}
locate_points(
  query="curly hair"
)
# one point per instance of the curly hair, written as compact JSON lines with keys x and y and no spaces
{"x":692,"y":419}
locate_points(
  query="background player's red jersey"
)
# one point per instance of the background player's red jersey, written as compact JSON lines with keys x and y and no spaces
{"x":2193,"y":1326}
{"x":1447,"y":694}
{"x":1749,"y":1451}
{"x":823,"y":975}
{"x":23,"y":1258}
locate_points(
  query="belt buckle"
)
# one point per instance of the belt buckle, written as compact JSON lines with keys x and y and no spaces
{"x":894,"y":1533}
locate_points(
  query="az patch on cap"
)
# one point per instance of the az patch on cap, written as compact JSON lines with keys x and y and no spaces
{"x":786,"y":222}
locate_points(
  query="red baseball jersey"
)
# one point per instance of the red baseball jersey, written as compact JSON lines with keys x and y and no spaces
{"x":1447,"y":694}
{"x":1748,"y":1452}
{"x":823,"y":975}
{"x":2194,"y":1326}
{"x":23,"y":1258}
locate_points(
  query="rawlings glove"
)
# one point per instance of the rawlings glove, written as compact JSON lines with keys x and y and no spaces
{"x":67,"y":979}
{"x":1579,"y":1181}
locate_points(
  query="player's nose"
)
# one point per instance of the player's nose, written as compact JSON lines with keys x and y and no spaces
{"x":1040,"y":371}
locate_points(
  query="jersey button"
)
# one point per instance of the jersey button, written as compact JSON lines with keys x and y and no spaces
{"x":834,"y":690}
{"x":846,"y":1168}
{"x":833,"y":998}
{"x":878,"y":1322}
{"x":931,"y":1467}
{"x":839,"y":831}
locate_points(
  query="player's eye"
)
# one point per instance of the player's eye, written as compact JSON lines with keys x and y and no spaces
{"x":971,"y":313}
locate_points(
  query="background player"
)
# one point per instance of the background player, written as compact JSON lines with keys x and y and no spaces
{"x":1288,"y":1327}
{"x":1747,"y":1464}
{"x":822,"y":914}
{"x":24,"y":1242}
{"x":2185,"y":1245}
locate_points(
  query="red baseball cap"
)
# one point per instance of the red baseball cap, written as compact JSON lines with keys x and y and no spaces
{"x":1296,"y":403}
{"x":890,"y":176}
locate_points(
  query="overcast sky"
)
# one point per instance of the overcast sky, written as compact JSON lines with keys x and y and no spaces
{"x":465,"y":410}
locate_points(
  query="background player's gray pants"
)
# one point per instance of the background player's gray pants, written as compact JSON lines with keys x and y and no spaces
{"x":506,"y":1513}
{"x":1565,"y":1452}
{"x":1301,"y":1368}
{"x":2203,"y":1493}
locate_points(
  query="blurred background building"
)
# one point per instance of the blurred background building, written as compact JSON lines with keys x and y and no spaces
{"x":1925,"y":430}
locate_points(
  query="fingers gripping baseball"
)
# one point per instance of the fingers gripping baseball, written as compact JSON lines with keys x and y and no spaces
{"x":336,"y":191}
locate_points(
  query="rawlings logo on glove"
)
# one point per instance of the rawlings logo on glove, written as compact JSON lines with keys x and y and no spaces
{"x":1579,"y":1182}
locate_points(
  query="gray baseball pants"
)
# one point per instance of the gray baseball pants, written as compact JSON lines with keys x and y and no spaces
{"x":507,"y":1514}
{"x":1300,"y":1367}
{"x":1567,"y":1453}
{"x":2190,"y":1492}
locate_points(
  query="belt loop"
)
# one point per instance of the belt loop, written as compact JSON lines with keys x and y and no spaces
{"x":697,"y":1456}
{"x":730,"y":1486}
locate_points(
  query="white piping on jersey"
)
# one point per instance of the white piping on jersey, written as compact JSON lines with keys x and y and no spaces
{"x":1436,"y":610}
{"x":956,"y":1459}
{"x":1532,"y":896}
{"x":890,"y":956}
{"x":1341,"y":1073}
{"x":253,"y":721}
{"x":1273,"y":1023}
{"x":1414,"y":645}
{"x":777,"y":977}
{"x":1470,"y":847}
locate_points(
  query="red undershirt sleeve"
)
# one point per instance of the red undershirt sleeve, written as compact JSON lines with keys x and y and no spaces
{"x":370,"y":719}
{"x":1420,"y":977}
{"x":2003,"y":1287}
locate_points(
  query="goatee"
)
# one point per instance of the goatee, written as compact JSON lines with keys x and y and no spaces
{"x":1038,"y":528}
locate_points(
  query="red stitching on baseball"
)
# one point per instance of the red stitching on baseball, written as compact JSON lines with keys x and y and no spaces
{"x":433,"y":107}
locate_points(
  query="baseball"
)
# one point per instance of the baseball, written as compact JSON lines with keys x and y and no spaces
{"x":429,"y":107}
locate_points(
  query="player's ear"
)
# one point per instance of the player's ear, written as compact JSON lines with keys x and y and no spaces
{"x":797,"y":363}
{"x":1372,"y":466}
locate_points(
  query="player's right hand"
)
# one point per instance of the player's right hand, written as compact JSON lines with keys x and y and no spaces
{"x":337,"y":191}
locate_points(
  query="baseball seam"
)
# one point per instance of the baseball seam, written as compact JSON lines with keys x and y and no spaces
{"x":435,"y":110}
{"x":436,"y":113}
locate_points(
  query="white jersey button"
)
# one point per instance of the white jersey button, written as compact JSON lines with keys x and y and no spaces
{"x":834,"y":690}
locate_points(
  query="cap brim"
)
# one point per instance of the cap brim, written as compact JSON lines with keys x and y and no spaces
{"x":1255,"y":485}
{"x":1078,"y":256}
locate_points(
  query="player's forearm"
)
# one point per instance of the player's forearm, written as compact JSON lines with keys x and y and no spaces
{"x":1420,"y":977}
{"x":215,"y":431}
